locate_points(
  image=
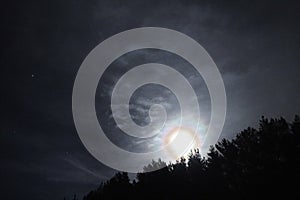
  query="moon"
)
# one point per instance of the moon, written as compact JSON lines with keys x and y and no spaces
{"x":180,"y":141}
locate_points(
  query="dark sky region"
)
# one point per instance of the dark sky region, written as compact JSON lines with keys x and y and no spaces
{"x":255,"y":44}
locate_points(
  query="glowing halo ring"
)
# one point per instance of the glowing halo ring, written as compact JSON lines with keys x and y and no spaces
{"x":158,"y":74}
{"x":174,"y":131}
{"x":94,"y":65}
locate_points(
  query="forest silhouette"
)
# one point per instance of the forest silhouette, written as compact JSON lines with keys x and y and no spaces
{"x":260,"y":163}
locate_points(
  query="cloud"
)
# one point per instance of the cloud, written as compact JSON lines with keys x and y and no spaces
{"x":255,"y":48}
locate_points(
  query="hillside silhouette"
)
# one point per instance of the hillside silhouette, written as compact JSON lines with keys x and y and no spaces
{"x":261,"y":163}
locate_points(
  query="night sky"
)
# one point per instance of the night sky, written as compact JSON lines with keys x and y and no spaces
{"x":255,"y":44}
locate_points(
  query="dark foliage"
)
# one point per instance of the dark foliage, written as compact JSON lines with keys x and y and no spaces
{"x":257,"y":164}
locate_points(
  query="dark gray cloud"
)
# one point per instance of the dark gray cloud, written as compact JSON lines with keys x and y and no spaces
{"x":255,"y":44}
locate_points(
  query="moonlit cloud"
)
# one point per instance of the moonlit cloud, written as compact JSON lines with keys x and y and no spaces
{"x":255,"y":48}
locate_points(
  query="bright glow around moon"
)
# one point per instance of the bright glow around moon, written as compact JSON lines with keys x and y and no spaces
{"x":180,"y":141}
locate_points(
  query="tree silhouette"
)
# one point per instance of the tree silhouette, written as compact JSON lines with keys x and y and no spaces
{"x":257,"y":163}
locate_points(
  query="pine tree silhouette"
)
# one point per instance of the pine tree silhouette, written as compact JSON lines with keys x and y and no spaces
{"x":257,"y":163}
